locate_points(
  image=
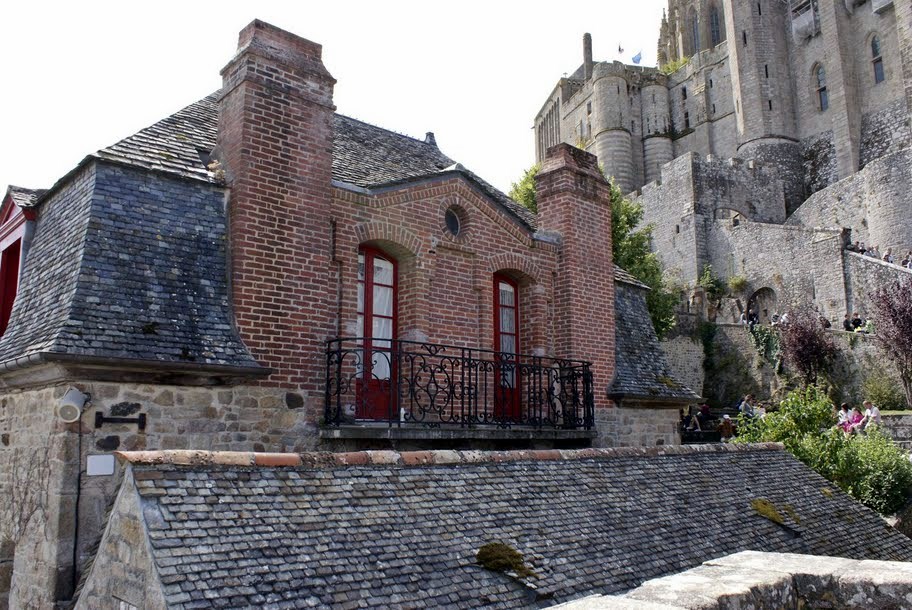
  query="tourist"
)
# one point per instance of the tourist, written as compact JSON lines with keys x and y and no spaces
{"x":852,"y":422}
{"x":888,"y":256}
{"x":871,"y":415}
{"x":746,"y":408}
{"x":847,"y":324}
{"x":784,"y":319}
{"x":704,"y":415}
{"x":743,"y":319}
{"x":726,"y":428}
{"x":824,"y":322}
{"x":842,"y":415}
{"x":857,"y":322}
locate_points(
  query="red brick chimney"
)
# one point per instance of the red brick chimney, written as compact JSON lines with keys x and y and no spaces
{"x":574,"y":200}
{"x":275,"y":142}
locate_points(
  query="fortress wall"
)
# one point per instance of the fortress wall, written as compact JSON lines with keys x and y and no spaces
{"x":864,"y":275}
{"x":802,"y":266}
{"x":875,"y":203}
{"x":884,"y":131}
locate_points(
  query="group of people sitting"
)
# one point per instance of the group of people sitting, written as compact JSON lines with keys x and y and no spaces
{"x":887,"y":257}
{"x":856,"y":323}
{"x":857,"y":420}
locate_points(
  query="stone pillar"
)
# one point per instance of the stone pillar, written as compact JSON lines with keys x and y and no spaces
{"x":275,"y":141}
{"x":844,"y":111}
{"x":903,"y":10}
{"x":574,"y":200}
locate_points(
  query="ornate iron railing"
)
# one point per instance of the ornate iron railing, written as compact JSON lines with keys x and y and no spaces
{"x":410,"y":383}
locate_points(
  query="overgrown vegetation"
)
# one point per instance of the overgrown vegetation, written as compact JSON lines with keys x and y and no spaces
{"x":766,"y":341}
{"x":892,"y":307}
{"x":712,"y":285}
{"x":523,"y":191}
{"x":737,"y":284}
{"x":806,"y":346}
{"x":501,"y":557}
{"x":673,"y":66}
{"x":630,"y":247}
{"x":880,"y":389}
{"x":869,"y":467}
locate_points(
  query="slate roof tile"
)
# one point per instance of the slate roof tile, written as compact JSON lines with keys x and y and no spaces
{"x":641,"y":370}
{"x":585,"y":525}
{"x":24,"y":197}
{"x":363,"y":154}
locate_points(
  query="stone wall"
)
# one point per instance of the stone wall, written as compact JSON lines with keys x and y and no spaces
{"x":639,"y":425}
{"x":685,"y":359}
{"x":819,"y":156}
{"x":865,"y":274}
{"x":899,"y":427}
{"x":734,"y":367}
{"x":37,"y":515}
{"x":752,"y":579}
{"x":873,"y":203}
{"x":123,"y":575}
{"x":884,"y":131}
{"x":802,"y":266}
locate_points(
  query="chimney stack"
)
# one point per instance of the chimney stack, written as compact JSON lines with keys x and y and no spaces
{"x":587,"y":56}
{"x":275,"y":140}
{"x":574,"y":200}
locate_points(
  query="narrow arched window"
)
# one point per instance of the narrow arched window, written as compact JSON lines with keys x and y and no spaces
{"x":695,"y":25}
{"x":877,"y":60}
{"x":715,"y":31}
{"x":823,"y":98}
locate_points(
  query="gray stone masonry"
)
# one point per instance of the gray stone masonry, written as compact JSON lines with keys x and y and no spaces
{"x":751,"y":579}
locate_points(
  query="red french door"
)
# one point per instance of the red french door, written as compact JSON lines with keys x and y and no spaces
{"x":377,"y":279}
{"x":9,"y":281}
{"x":506,"y":344}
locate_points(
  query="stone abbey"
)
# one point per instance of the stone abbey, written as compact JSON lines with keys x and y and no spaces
{"x":771,"y":134}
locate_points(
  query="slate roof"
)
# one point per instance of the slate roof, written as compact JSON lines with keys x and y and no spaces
{"x":383,"y":529}
{"x":641,"y":370}
{"x":363,"y":154}
{"x":23,"y":197}
{"x":126,"y":268}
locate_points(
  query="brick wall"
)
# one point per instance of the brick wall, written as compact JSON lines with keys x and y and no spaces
{"x":275,"y":139}
{"x":574,"y":200}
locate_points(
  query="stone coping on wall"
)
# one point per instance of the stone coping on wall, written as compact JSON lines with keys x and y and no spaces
{"x":405,"y":432}
{"x":752,"y":579}
{"x":326,"y":459}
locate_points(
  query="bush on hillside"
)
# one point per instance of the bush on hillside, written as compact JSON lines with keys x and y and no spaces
{"x":880,"y":389}
{"x":870,"y":467}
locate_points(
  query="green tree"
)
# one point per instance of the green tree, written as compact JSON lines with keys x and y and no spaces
{"x":523,"y":192}
{"x":869,"y":467}
{"x":630,"y":247}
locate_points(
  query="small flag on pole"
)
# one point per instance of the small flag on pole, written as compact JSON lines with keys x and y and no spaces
{"x":620,"y":50}
{"x":638,"y":58}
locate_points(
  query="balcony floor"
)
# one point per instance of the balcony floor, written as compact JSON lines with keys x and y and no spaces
{"x":383,"y":431}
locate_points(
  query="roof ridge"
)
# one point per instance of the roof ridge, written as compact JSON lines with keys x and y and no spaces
{"x":327,"y":459}
{"x":404,"y":135}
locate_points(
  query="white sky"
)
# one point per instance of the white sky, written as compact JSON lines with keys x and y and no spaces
{"x":79,"y":76}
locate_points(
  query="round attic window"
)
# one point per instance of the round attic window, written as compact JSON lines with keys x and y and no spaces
{"x":453,"y":224}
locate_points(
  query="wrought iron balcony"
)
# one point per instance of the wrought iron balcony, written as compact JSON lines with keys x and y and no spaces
{"x":406,"y":383}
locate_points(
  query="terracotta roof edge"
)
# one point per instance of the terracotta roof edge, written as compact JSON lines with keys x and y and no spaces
{"x":324,"y":459}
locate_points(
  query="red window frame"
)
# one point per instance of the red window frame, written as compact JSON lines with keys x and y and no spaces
{"x":12,"y":232}
{"x":375,"y":400}
{"x":506,"y":394}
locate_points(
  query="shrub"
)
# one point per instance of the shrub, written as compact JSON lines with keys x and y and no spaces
{"x":807,"y":346}
{"x":673,"y":66}
{"x":870,"y":468}
{"x":737,"y":283}
{"x":884,"y":392}
{"x":714,"y":287}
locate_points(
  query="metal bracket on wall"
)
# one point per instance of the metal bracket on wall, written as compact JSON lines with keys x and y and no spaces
{"x":139,"y":420}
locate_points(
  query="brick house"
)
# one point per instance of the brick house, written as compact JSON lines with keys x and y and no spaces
{"x":259,"y":273}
